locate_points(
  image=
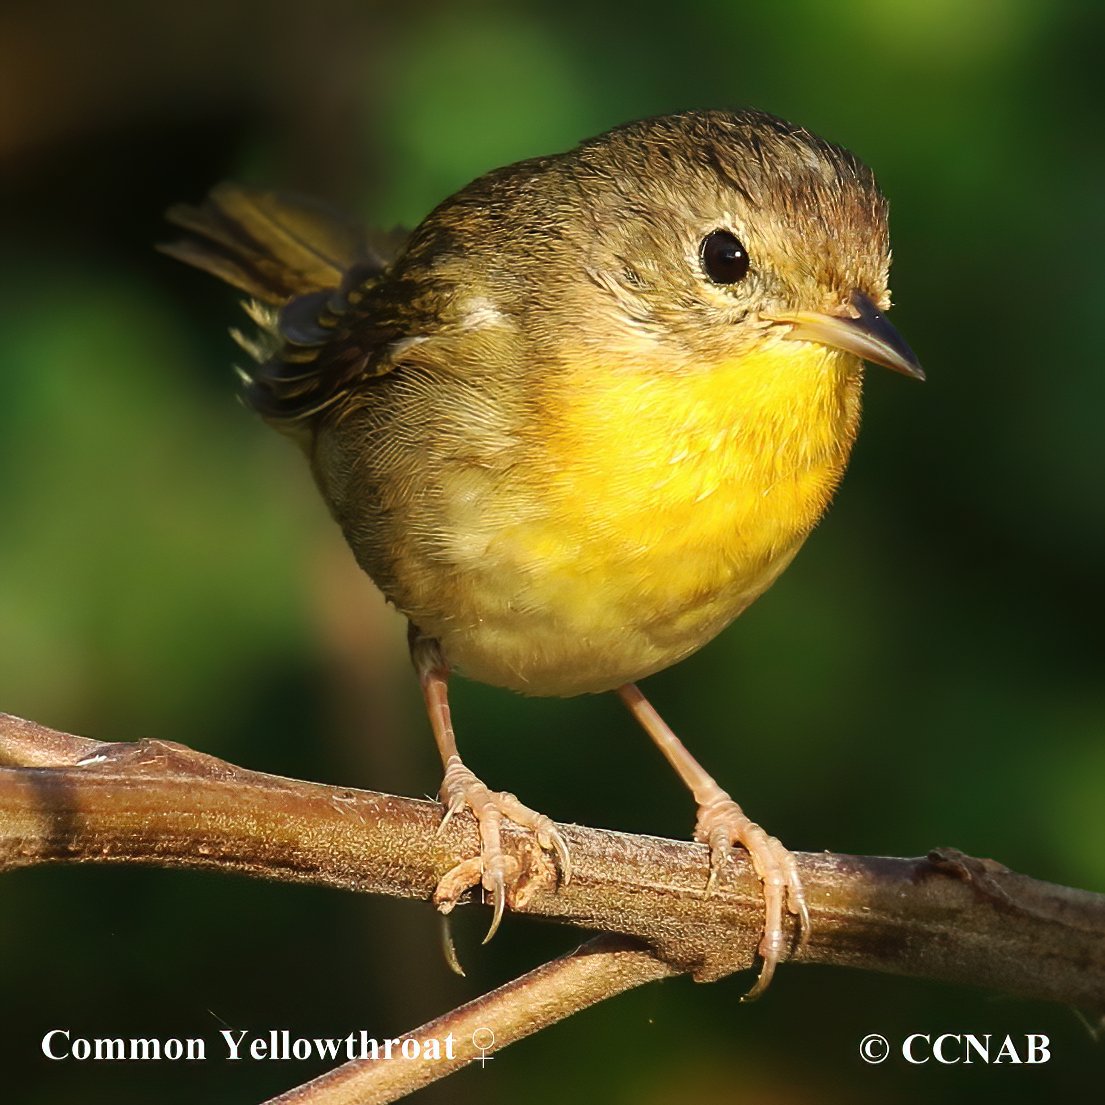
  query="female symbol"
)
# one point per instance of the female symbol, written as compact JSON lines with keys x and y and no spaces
{"x":483,"y":1039}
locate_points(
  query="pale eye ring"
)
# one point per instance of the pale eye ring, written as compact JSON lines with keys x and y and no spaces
{"x":724,"y":258}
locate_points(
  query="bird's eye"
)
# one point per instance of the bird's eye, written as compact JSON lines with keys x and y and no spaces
{"x":724,"y":259}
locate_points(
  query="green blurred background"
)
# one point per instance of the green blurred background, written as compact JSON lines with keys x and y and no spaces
{"x":927,"y":673}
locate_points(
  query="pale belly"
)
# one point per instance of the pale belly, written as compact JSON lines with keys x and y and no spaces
{"x":574,"y":632}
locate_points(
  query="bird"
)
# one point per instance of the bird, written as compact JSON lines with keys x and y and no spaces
{"x":578,"y":419}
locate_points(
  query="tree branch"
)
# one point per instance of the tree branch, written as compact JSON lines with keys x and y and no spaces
{"x":948,"y":916}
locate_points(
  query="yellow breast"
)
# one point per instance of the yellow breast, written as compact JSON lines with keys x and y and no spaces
{"x":658,"y":506}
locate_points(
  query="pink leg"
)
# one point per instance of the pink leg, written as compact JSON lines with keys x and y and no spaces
{"x":460,"y":788}
{"x":721,"y":823}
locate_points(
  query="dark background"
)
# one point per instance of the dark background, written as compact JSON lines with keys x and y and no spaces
{"x":927,"y":673}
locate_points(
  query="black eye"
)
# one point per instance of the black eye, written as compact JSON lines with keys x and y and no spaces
{"x":724,"y":259}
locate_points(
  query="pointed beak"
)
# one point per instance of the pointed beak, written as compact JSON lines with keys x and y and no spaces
{"x":866,"y":334}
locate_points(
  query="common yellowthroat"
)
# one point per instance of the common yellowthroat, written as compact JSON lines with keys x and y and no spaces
{"x":580,"y":418}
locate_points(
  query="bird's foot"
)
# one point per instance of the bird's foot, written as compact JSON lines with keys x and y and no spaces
{"x":492,"y":868}
{"x":722,"y":824}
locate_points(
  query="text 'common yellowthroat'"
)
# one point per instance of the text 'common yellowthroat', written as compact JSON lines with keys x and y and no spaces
{"x":581,"y":417}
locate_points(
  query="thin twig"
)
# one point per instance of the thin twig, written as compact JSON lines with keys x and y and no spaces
{"x":601,"y":968}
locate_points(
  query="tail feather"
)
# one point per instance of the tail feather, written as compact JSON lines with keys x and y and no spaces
{"x":304,"y":266}
{"x":271,"y":245}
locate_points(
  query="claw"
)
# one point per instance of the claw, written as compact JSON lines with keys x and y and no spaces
{"x":498,"y":899}
{"x":549,"y":838}
{"x":449,"y":948}
{"x":563,"y":858}
{"x":803,"y":913}
{"x":720,"y":851}
{"x":763,"y":981}
{"x":452,"y":808}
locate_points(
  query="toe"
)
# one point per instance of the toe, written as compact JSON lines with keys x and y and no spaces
{"x":544,"y":830}
{"x":456,"y":881}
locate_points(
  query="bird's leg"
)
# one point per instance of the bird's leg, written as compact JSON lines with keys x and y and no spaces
{"x":722,"y":823}
{"x":460,"y":788}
